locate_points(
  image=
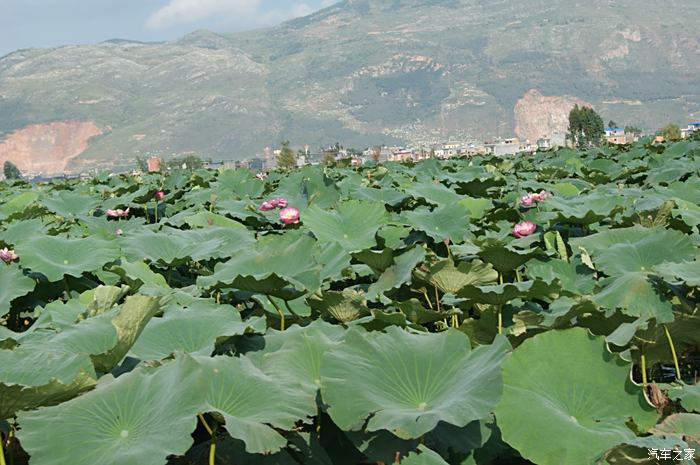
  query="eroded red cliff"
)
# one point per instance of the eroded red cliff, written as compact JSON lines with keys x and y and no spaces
{"x":47,"y":148}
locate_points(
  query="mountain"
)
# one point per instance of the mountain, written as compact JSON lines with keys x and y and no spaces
{"x":360,"y":72}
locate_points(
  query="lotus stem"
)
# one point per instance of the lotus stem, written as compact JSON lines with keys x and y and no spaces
{"x":279,"y":312}
{"x":212,"y":448}
{"x":2,"y":453}
{"x":437,"y":298}
{"x":500,"y":278}
{"x":500,"y":320}
{"x":156,"y":212}
{"x":67,"y":289}
{"x":673,"y":352}
{"x":427,"y":299}
{"x":212,"y":453}
{"x":205,"y":424}
{"x":517,"y":275}
{"x":644,"y":370}
{"x":455,"y":321}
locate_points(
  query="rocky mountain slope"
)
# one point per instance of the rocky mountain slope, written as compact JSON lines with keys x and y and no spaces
{"x":360,"y":72}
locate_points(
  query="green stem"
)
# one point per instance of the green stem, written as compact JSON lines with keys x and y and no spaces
{"x":517,"y":275}
{"x":427,"y":299}
{"x":673,"y":352}
{"x":2,"y":453}
{"x":212,"y":453}
{"x":500,"y":320}
{"x":437,"y":298}
{"x":279,"y":311}
{"x":500,"y":278}
{"x":644,"y":371}
{"x":67,"y":290}
{"x":156,"y":212}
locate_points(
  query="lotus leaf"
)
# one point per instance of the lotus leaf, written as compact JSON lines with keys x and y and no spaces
{"x":410,"y":382}
{"x":56,"y":257}
{"x":13,"y":284}
{"x":353,"y":224}
{"x":584,"y":411}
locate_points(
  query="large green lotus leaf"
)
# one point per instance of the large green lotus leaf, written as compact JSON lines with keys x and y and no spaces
{"x":205,"y":219}
{"x":240,"y":182}
{"x":687,"y":272}
{"x":169,"y":246}
{"x":386,"y":195}
{"x":18,"y":203}
{"x":67,"y":203}
{"x":398,"y":274}
{"x":252,"y":402}
{"x":22,"y":230}
{"x":574,"y":277}
{"x":636,"y":296}
{"x":56,"y":257}
{"x":642,"y":255}
{"x":271,"y":267}
{"x":378,"y":260}
{"x":298,"y":359}
{"x":501,"y":294}
{"x":334,"y":260}
{"x":449,"y":221}
{"x":584,"y":209}
{"x":688,"y":395}
{"x":102,"y":298}
{"x":505,"y":258}
{"x":424,"y":456}
{"x":137,"y":272}
{"x":417,"y":314}
{"x":353,"y":224}
{"x":346,"y":305}
{"x":583,"y":411}
{"x":685,"y":425}
{"x":477,"y":206}
{"x":31,"y":377}
{"x":13,"y":284}
{"x":192,"y":331}
{"x":449,"y":278}
{"x":141,"y":417}
{"x":410,"y":382}
{"x":605,"y":239}
{"x":434,"y":192}
{"x":380,"y":446}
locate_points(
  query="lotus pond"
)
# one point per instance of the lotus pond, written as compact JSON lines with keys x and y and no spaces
{"x":536,"y":309}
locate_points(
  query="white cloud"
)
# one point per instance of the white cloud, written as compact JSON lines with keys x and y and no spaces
{"x":235,"y":12}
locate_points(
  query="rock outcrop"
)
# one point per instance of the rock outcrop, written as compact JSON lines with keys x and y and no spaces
{"x":538,"y":116}
{"x":47,"y":148}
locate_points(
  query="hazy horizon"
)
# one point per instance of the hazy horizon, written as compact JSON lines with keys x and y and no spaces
{"x":45,"y":23}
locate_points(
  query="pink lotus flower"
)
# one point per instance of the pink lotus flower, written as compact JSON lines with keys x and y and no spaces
{"x":118,"y":232}
{"x":541,"y":196}
{"x":527,"y":200}
{"x":266,"y":206}
{"x":524,"y":229}
{"x":279,"y":202}
{"x":289,"y":215}
{"x":118,"y":213}
{"x":533,"y":198}
{"x":7,"y":255}
{"x":159,"y":196}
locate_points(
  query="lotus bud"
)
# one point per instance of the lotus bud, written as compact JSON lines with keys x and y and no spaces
{"x":118,"y":232}
{"x":159,"y":195}
{"x":266,"y":206}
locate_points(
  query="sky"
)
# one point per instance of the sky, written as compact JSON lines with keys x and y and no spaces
{"x":50,"y":23}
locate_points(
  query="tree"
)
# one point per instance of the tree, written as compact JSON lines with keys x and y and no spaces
{"x":671,"y":132}
{"x":141,"y":164}
{"x":11,"y":171}
{"x":585,"y":127}
{"x":612,"y":124}
{"x":189,"y":162}
{"x":632,"y":130}
{"x":286,"y":158}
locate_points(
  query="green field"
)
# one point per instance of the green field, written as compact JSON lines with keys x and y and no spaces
{"x":531,"y":309}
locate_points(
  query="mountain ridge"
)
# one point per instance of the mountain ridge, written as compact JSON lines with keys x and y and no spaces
{"x":364,"y":72}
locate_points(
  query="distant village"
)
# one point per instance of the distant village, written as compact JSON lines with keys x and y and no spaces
{"x":498,"y":147}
